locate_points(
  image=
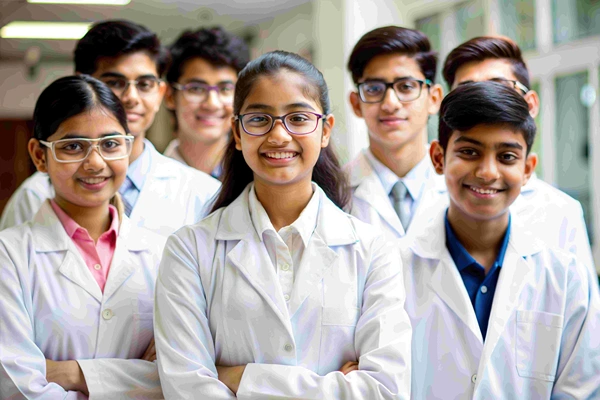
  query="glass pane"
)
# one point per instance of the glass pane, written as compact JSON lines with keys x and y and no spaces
{"x":572,"y":142}
{"x":537,"y":144}
{"x":575,"y":19}
{"x":469,"y":21}
{"x":518,"y":22}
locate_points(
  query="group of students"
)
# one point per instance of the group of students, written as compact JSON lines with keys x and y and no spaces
{"x":439,"y":271}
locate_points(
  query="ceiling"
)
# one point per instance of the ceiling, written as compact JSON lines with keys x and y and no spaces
{"x":166,"y":17}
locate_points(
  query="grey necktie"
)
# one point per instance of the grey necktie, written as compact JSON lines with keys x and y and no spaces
{"x":399,"y":193}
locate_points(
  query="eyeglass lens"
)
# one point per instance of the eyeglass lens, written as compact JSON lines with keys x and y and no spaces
{"x":111,"y":148}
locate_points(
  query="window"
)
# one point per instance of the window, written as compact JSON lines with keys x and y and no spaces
{"x":518,"y":22}
{"x":575,"y":19}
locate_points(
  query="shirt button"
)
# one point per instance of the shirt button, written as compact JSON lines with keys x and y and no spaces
{"x":288,"y":347}
{"x":484,"y":289}
{"x":97,"y":267}
{"x":285,"y":267}
{"x":107,"y":314}
{"x":286,"y":297}
{"x":474,"y":378}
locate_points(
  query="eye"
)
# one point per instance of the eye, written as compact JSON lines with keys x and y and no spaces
{"x":226,"y":89}
{"x":299,"y":118}
{"x":111,"y":144}
{"x":508,"y":157}
{"x":468,"y":152}
{"x":406,"y":85}
{"x":195,"y":89}
{"x":256,"y":119}
{"x":145,"y":85}
{"x":71,"y":147}
{"x":115,"y":83}
{"x":373,"y":88}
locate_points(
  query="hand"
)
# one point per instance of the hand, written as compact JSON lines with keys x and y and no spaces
{"x":349,"y":366}
{"x":150,"y":354}
{"x":231,"y":376}
{"x":66,"y":374}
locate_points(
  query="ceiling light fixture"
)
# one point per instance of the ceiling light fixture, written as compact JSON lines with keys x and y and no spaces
{"x":83,"y":2}
{"x":44,"y":30}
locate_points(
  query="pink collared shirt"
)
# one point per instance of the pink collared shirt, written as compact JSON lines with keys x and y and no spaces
{"x":97,"y":256}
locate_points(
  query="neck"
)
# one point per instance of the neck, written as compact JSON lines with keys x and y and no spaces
{"x":137,"y":148}
{"x":200,"y":155}
{"x":400,"y":160}
{"x":96,"y":220}
{"x":481,"y":238}
{"x":285,"y":203}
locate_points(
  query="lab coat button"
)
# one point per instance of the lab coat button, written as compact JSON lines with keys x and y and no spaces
{"x":286,"y":297}
{"x":97,"y":267}
{"x":285,"y":267}
{"x":288,"y":347}
{"x":107,"y":314}
{"x":484,"y":289}
{"x":474,"y":378}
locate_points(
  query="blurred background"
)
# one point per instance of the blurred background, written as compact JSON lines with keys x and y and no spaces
{"x":560,"y":40}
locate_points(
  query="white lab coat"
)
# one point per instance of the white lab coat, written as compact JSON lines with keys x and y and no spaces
{"x":552,"y":215}
{"x":218,"y":302}
{"x":51,"y":307}
{"x":173,"y":195}
{"x":542,"y":340}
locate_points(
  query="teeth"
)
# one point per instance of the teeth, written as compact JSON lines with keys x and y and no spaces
{"x":93,"y":181}
{"x":286,"y":154}
{"x":484,"y":191}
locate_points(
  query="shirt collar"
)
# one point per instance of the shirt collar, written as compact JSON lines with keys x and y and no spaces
{"x":304,"y":225}
{"x":72,"y":227}
{"x":461,"y":256}
{"x":138,"y":169}
{"x":415,"y":180}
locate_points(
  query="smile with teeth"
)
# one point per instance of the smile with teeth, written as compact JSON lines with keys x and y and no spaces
{"x":281,"y":154}
{"x":92,"y":181}
{"x":483,"y":191}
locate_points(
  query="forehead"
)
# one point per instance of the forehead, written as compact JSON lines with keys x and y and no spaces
{"x":131,"y":65}
{"x":92,"y":124}
{"x":200,"y":68}
{"x":392,"y":66}
{"x":489,"y":136}
{"x":282,"y":89}
{"x":484,"y":70}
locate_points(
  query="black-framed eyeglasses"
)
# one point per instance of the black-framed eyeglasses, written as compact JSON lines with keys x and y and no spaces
{"x":513,"y":84}
{"x":296,"y":123}
{"x":406,"y":89}
{"x":145,"y":85}
{"x":113,"y":147}
{"x":196,"y":92}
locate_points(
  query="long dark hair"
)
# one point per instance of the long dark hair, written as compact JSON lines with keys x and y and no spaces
{"x":326,"y":173}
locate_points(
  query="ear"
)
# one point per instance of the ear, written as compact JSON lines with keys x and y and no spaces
{"x":436,"y":152}
{"x":38,"y":155}
{"x":533,"y":101}
{"x":170,"y":98}
{"x":436,"y":94}
{"x":530,"y":163}
{"x":328,"y":124}
{"x":355,"y":103}
{"x":236,"y":134}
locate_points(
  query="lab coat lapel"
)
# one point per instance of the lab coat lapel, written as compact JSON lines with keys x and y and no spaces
{"x":434,"y":197}
{"x":122,"y":265}
{"x":73,"y":268}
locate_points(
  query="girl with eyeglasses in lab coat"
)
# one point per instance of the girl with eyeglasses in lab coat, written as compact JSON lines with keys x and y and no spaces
{"x":77,"y":282}
{"x":279,"y":293}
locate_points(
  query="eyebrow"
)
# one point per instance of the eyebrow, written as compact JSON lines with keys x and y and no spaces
{"x":484,"y":80}
{"x":121,"y":76}
{"x":292,"y":106}
{"x":385,"y":80}
{"x":79,"y":136}
{"x":503,"y":145}
{"x":196,"y":80}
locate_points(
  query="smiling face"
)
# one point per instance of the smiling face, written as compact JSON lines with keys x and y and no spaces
{"x":485,"y":168}
{"x":393,"y":124}
{"x":140,"y":107}
{"x":89,"y":183}
{"x":208,"y":121}
{"x":278,"y":157}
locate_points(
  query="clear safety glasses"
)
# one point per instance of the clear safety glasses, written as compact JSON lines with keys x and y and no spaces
{"x":114,"y":147}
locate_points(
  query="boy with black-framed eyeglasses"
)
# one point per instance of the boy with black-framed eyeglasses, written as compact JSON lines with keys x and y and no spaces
{"x":394,"y":72}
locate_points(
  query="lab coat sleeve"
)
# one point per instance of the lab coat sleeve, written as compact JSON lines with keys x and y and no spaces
{"x":382,"y":344}
{"x":578,"y":374}
{"x":22,"y":363}
{"x":21,"y":207}
{"x":184,"y":344}
{"x":118,"y":378}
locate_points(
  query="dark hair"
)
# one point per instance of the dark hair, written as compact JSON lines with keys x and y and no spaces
{"x":215,"y":45}
{"x":483,"y":48}
{"x":326,"y":173}
{"x":70,"y":96}
{"x":484,"y":103}
{"x":115,"y":38}
{"x":390,"y":40}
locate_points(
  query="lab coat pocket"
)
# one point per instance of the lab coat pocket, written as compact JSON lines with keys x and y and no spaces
{"x":538,"y":344}
{"x":337,"y":337}
{"x":142,"y":333}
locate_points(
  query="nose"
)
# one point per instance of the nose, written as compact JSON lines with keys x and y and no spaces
{"x":212,"y":101}
{"x":390,"y":102}
{"x":487,"y":169}
{"x":279,"y":134}
{"x":94,"y":161}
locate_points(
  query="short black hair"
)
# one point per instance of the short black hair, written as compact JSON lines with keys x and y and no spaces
{"x":482,"y":48}
{"x":484,"y":103}
{"x":215,"y":45}
{"x":114,"y":38}
{"x":390,"y":40}
{"x":70,"y":96}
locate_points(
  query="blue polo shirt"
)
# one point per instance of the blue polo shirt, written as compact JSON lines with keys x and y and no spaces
{"x":481,"y":287}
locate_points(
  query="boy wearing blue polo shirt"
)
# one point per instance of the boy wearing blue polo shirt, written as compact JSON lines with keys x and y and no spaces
{"x":495,"y":312}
